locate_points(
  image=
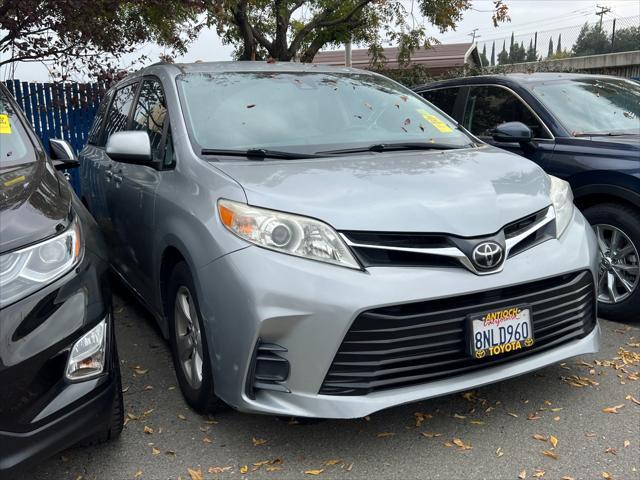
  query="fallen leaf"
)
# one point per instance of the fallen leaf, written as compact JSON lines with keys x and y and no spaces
{"x":421,"y":417}
{"x":138,"y":474}
{"x":556,"y":419}
{"x":148,"y":387}
{"x":477,"y":422}
{"x":607,"y":476}
{"x":258,"y":441}
{"x":538,"y":473}
{"x":590,"y":434}
{"x":633,"y":399}
{"x":218,"y":469}
{"x":314,"y":472}
{"x":170,"y":452}
{"x":540,"y":437}
{"x":457,"y":415}
{"x":140,"y":370}
{"x":522,"y":475}
{"x":567,"y":477}
{"x":332,"y":462}
{"x":181,"y":416}
{"x":430,"y":434}
{"x":155,"y":451}
{"x":244,"y":469}
{"x":549,"y":453}
{"x":207,"y":440}
{"x":125,"y":389}
{"x":613,"y":409}
{"x":385,"y":434}
{"x":514,"y":415}
{"x":461,"y":444}
{"x":533,"y":416}
{"x":553,"y":440}
{"x":626,"y":443}
{"x":611,"y":450}
{"x":557,"y":409}
{"x":195,"y":474}
{"x":348,"y":469}
{"x":148,"y":430}
{"x":499,"y":452}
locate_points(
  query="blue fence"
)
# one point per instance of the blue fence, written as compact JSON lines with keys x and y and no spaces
{"x":59,"y":110}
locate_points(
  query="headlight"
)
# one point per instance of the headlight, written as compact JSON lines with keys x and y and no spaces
{"x":24,"y":271}
{"x":87,"y":356}
{"x":286,"y":233}
{"x":562,"y":199}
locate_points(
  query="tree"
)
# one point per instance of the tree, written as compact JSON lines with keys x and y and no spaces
{"x":493,"y":53}
{"x":483,"y":56}
{"x":550,"y":52}
{"x":559,"y":47}
{"x":73,"y":34}
{"x":532,"y":55}
{"x":288,"y":29}
{"x":591,"y":41}
{"x":626,"y":39}
{"x":503,"y":56}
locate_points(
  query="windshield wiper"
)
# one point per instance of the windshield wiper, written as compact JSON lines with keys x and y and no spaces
{"x":390,"y":147}
{"x":258,"y":153}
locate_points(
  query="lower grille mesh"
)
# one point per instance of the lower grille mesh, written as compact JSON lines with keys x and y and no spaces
{"x":415,"y":343}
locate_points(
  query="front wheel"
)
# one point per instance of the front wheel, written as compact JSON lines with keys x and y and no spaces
{"x":617,"y":228}
{"x":189,"y":342}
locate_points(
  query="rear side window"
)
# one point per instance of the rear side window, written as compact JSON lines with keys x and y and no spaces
{"x":119,"y":110}
{"x":150,"y":115}
{"x":94,"y":133}
{"x":443,"y":98}
{"x":489,"y":106}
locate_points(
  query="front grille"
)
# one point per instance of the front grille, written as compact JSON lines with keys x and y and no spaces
{"x":414,"y":343}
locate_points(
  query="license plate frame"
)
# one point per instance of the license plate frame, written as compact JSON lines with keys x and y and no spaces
{"x":497,"y":319}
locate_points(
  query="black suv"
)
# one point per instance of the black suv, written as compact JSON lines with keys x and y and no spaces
{"x":59,"y":368}
{"x":582,"y":128}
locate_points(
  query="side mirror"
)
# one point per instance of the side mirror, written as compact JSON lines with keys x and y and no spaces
{"x":62,"y":154}
{"x":132,"y":146}
{"x":512,"y":132}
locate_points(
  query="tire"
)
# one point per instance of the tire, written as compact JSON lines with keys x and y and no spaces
{"x":116,"y":423}
{"x":626,"y":219}
{"x":198,"y":394}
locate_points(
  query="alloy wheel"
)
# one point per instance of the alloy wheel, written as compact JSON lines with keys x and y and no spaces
{"x":188,"y":337}
{"x":619,"y":264}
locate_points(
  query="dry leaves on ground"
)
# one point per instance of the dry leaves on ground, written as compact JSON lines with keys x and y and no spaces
{"x":195,"y":474}
{"x":314,"y":472}
{"x":258,"y":441}
{"x":459,"y":443}
{"x":613,"y":409}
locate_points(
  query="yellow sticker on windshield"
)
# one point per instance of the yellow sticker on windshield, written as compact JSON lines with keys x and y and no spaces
{"x":435,"y":121}
{"x":5,"y":126}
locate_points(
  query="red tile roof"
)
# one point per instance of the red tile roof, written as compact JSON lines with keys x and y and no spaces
{"x":437,"y":58}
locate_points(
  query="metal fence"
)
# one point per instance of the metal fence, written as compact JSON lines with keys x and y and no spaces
{"x":561,"y":41}
{"x":59,"y":110}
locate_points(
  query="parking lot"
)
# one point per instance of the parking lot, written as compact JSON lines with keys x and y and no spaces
{"x":502,"y":431}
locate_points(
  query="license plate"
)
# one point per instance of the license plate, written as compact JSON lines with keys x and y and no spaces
{"x":500,"y":331}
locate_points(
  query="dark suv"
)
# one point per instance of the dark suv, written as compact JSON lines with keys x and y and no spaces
{"x":59,"y":369}
{"x":582,"y":128}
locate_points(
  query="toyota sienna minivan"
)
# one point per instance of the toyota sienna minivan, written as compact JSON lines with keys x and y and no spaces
{"x":59,"y":370}
{"x":322,"y":242}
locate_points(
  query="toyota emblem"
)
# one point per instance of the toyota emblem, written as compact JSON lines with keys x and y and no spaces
{"x":487,"y":255}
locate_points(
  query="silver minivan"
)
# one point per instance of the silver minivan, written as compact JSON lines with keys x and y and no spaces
{"x":322,"y":242}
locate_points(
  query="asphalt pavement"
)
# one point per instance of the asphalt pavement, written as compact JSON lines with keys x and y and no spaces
{"x":549,"y":424}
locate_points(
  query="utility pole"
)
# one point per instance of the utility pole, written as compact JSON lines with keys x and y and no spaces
{"x":347,"y":54}
{"x":602,"y":12}
{"x":473,"y":35}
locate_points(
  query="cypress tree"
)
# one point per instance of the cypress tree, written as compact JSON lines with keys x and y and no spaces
{"x":550,"y":53}
{"x":493,"y":53}
{"x":559,"y":47}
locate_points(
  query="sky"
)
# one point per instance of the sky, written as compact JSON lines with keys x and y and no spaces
{"x":526,"y":16}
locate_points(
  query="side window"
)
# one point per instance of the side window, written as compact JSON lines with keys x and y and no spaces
{"x":119,"y":110}
{"x":489,"y":106}
{"x":443,"y":98}
{"x":167,"y":158}
{"x":150,"y":115}
{"x":94,"y":133}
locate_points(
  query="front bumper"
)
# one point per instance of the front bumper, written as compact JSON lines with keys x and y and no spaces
{"x":307,"y":307}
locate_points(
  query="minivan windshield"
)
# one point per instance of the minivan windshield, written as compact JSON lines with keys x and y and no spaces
{"x":15,"y":147}
{"x":308,"y":112}
{"x":593,"y":106}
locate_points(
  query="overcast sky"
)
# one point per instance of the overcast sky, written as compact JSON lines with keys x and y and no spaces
{"x":526,"y":16}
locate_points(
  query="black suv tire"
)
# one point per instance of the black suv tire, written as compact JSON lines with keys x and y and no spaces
{"x":627,"y":220}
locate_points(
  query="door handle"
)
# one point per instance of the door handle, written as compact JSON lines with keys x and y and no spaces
{"x":117,"y":178}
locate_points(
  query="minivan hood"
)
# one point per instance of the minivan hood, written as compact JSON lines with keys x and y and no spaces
{"x":466,"y":192}
{"x":33,"y":204}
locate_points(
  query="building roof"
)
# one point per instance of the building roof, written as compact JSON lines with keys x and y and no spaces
{"x":438,"y":58}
